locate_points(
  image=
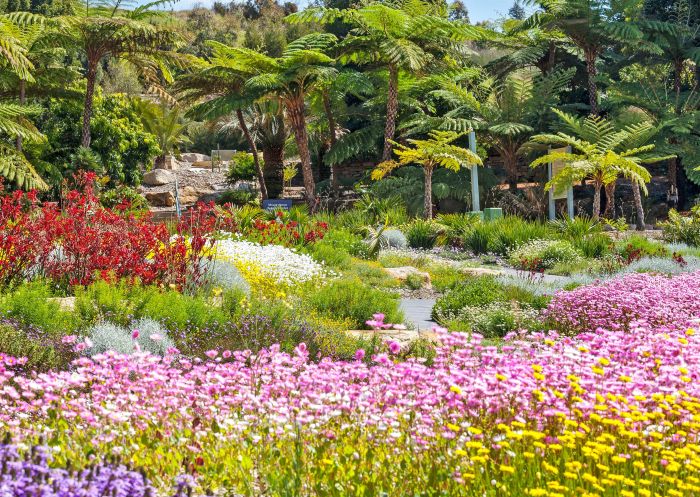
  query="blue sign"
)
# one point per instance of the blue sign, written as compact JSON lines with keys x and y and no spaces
{"x":277,"y":204}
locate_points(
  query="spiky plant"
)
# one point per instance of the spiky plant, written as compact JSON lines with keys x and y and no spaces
{"x":601,"y":153}
{"x":438,"y":150}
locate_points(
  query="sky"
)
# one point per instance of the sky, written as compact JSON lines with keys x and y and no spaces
{"x":479,"y":10}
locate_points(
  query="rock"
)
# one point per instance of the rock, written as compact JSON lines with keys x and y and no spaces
{"x":404,"y":272}
{"x":158,"y":177}
{"x":403,"y":337}
{"x":189,"y":195}
{"x":202,"y":164}
{"x":64,"y":303}
{"x":160,"y":199}
{"x":170,"y":163}
{"x":192,"y":157}
{"x":480,"y":271}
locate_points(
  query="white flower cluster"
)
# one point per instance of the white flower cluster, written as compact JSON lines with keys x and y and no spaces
{"x":284,"y":265}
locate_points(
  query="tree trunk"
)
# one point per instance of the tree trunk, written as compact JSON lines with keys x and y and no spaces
{"x":22,"y":101}
{"x":596,"y":200}
{"x":273,"y":158}
{"x":392,"y":106}
{"x":428,"y":197}
{"x":677,"y":83}
{"x":331,"y":137}
{"x":641,"y":224}
{"x":91,"y":77}
{"x":673,"y":172}
{"x":295,"y":106}
{"x":610,"y":200}
{"x":510,"y":161}
{"x":254,"y":151}
{"x":591,"y":57}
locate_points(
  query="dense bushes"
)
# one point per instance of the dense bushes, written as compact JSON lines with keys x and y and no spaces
{"x":538,"y":255}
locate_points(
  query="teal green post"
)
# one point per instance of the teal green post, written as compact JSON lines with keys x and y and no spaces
{"x":476,"y":207}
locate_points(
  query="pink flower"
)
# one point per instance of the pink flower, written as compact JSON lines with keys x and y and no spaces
{"x":226,"y":354}
{"x":68,"y":339}
{"x":211,"y":354}
{"x":399,"y":327}
{"x":135,"y":334}
{"x":88,"y":342}
{"x":156,"y":337}
{"x":394,"y":347}
{"x":359,"y":354}
{"x":80,"y":347}
{"x":172,"y":351}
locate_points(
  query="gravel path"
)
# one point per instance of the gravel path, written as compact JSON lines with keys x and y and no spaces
{"x":417,"y":312}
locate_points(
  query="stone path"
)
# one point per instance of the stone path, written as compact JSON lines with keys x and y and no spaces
{"x":417,"y":312}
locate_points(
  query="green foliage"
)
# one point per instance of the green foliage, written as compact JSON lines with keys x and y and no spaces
{"x":637,"y":246}
{"x":239,"y":198}
{"x":41,"y":354}
{"x":240,"y":167}
{"x":503,"y":235}
{"x":121,"y":195}
{"x":487,"y":306}
{"x":355,"y":300}
{"x":422,"y":234}
{"x":684,"y":229}
{"x":122,"y":143}
{"x":538,"y":255}
{"x":33,"y":304}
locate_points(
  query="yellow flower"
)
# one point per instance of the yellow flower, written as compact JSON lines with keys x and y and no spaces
{"x":690,"y":332}
{"x":501,"y":377}
{"x":598,"y":370}
{"x":507,"y":469}
{"x":456,"y":389}
{"x":537,"y":368}
{"x":604,"y":361}
{"x":452,"y":427}
{"x":461,"y":452}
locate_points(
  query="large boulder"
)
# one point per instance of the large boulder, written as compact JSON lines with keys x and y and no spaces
{"x":193,"y":157}
{"x":160,"y":199}
{"x":169,"y":163}
{"x":158,"y":177}
{"x":189,"y":195}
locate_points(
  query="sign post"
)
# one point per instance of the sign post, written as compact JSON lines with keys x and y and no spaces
{"x":475,"y":175}
{"x":553,"y":169}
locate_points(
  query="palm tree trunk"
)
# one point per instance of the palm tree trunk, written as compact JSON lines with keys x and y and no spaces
{"x":22,"y":101}
{"x":428,"y":197}
{"x":392,"y":106}
{"x":591,"y":57}
{"x":91,"y":77}
{"x":273,"y":158}
{"x":254,"y":150}
{"x":610,"y":200}
{"x":596,"y":200}
{"x":331,"y":136}
{"x":641,"y":223}
{"x":510,"y":162}
{"x":295,"y":106}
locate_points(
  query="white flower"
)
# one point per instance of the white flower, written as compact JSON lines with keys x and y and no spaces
{"x":280,"y":263}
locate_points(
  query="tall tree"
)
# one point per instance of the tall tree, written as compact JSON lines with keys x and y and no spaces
{"x":289,"y":79}
{"x":139,"y":37}
{"x":602,"y":153}
{"x":591,"y":25}
{"x":517,"y":11}
{"x":505,"y":112}
{"x":405,"y":36}
{"x":438,"y":150}
{"x":219,"y":89}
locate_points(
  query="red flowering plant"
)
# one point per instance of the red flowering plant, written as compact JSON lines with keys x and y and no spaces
{"x":85,"y":241}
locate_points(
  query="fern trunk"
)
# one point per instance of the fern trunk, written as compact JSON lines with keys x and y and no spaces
{"x":596,"y":200}
{"x":295,"y":106}
{"x":610,"y":200}
{"x":510,"y":162}
{"x":254,"y":151}
{"x":91,"y":77}
{"x":591,"y":57}
{"x":22,"y":101}
{"x":392,"y":106}
{"x":639,"y":207}
{"x":428,"y":195}
{"x":331,"y":137}
{"x":273,"y":158}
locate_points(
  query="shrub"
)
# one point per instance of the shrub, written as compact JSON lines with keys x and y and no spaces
{"x":351,"y":298}
{"x":422,"y":234}
{"x":593,"y":246}
{"x":240,"y":167}
{"x":538,"y":255}
{"x":637,"y":246}
{"x":238,"y":198}
{"x":503,"y":235}
{"x":481,"y":292}
{"x":685,"y":229}
{"x":33,"y":304}
{"x":494,"y":320}
{"x":393,"y":239}
{"x":41,"y":352}
{"x":148,"y":334}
